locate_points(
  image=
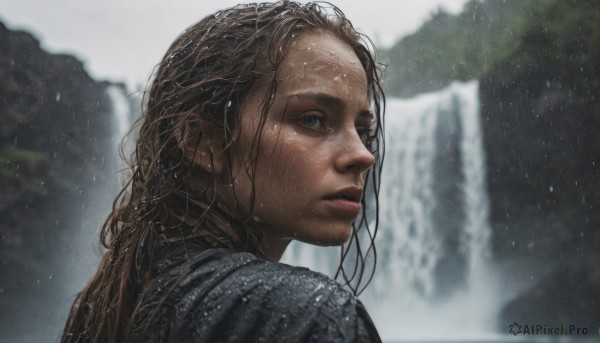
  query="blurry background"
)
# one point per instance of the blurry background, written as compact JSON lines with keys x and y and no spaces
{"x":491,"y":184}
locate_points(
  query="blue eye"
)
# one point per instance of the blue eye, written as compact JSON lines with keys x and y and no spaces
{"x":312,"y":121}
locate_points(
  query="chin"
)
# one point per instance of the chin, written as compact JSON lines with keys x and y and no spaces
{"x":334,"y":237}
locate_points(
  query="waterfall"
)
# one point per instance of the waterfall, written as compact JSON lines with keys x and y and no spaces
{"x":433,"y":278}
{"x":97,"y":192}
{"x":121,"y":112}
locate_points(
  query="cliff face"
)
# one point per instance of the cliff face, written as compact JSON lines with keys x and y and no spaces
{"x":55,"y":119}
{"x":541,"y":116}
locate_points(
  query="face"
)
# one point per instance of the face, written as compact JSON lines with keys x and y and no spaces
{"x":309,"y":173}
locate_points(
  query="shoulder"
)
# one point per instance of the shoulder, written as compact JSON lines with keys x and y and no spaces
{"x":249,"y":299}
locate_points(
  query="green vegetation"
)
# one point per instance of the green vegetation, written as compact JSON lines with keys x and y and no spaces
{"x":564,"y":41}
{"x":22,"y":167}
{"x":464,"y":46}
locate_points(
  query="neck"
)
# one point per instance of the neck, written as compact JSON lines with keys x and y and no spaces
{"x":274,"y":246}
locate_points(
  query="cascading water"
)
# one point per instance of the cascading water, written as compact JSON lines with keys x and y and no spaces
{"x":121,"y":112}
{"x":122,"y":117}
{"x":96,"y":195}
{"x":433,"y":278}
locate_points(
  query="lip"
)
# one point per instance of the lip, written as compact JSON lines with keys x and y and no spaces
{"x":346,"y":200}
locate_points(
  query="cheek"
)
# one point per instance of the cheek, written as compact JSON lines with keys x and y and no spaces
{"x":293,"y":160}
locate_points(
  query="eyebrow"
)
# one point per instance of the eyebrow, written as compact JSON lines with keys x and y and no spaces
{"x":329,"y":100}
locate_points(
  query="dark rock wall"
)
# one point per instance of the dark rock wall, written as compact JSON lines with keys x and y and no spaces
{"x":541,"y":116}
{"x":543,"y":163}
{"x":53,"y":142}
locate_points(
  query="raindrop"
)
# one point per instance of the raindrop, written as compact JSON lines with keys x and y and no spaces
{"x":551,"y":189}
{"x":58,"y":97}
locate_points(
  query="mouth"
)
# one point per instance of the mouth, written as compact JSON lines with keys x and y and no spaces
{"x":353,"y":194}
{"x":346,"y":201}
{"x":344,"y":197}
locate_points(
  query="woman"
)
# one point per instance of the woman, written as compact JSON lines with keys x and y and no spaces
{"x":259,"y":128}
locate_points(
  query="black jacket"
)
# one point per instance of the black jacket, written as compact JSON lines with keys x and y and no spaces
{"x":228,"y":296}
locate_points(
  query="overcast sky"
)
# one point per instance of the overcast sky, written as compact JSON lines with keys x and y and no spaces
{"x":122,"y":40}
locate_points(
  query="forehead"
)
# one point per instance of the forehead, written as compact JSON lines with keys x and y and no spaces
{"x":321,"y":62}
{"x":317,"y":56}
{"x":316,"y":62}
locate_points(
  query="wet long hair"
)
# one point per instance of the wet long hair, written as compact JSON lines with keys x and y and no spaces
{"x":168,"y":200}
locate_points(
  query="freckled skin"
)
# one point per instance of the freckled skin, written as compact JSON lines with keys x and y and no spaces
{"x":309,"y":149}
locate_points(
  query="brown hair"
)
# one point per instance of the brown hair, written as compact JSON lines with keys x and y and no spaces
{"x":199,"y":86}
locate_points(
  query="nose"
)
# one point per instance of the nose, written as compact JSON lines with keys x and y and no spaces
{"x":354,"y":155}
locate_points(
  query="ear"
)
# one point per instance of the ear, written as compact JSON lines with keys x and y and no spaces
{"x":198,"y":141}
